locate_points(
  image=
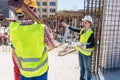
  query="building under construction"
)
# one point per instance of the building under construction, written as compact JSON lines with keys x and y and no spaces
{"x":106,"y":17}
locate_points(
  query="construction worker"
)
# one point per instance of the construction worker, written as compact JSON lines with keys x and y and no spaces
{"x":30,"y":40}
{"x":85,"y":46}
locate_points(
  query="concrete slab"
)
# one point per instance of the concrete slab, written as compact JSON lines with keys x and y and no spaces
{"x":6,"y":65}
{"x":63,"y":68}
{"x":60,"y":68}
{"x":115,"y":75}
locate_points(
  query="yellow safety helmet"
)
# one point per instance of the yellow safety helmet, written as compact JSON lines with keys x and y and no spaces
{"x":30,"y":3}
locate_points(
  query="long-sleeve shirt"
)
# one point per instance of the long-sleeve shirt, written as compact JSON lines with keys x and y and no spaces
{"x":67,"y":30}
{"x":91,"y":39}
{"x":48,"y":37}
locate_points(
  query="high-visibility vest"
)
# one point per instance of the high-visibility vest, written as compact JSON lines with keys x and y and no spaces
{"x":30,"y":48}
{"x":83,"y":39}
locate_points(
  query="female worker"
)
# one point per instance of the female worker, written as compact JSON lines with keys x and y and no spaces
{"x":85,"y":46}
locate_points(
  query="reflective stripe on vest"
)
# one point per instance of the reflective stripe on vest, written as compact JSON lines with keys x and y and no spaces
{"x":86,"y":50}
{"x":86,"y":43}
{"x":32,"y":59}
{"x":83,"y":39}
{"x":38,"y":67}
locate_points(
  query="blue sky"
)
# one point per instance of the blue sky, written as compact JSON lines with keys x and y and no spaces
{"x":70,"y":4}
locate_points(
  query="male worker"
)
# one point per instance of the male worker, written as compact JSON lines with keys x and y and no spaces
{"x":30,"y":41}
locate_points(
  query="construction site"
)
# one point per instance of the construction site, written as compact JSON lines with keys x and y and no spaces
{"x":63,"y":60}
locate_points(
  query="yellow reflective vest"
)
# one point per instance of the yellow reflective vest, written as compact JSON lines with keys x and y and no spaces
{"x":30,"y":47}
{"x":83,"y":39}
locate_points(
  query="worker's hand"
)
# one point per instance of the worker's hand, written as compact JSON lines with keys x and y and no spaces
{"x":81,"y":45}
{"x":55,"y":46}
{"x":51,"y":46}
{"x":63,"y":24}
{"x":49,"y":39}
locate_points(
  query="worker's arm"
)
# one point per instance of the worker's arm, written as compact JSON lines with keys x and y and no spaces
{"x":15,"y":58}
{"x":66,"y":26}
{"x":49,"y":39}
{"x":74,"y":29}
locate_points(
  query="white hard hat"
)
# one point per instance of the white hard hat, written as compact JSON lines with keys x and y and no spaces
{"x":88,"y":18}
